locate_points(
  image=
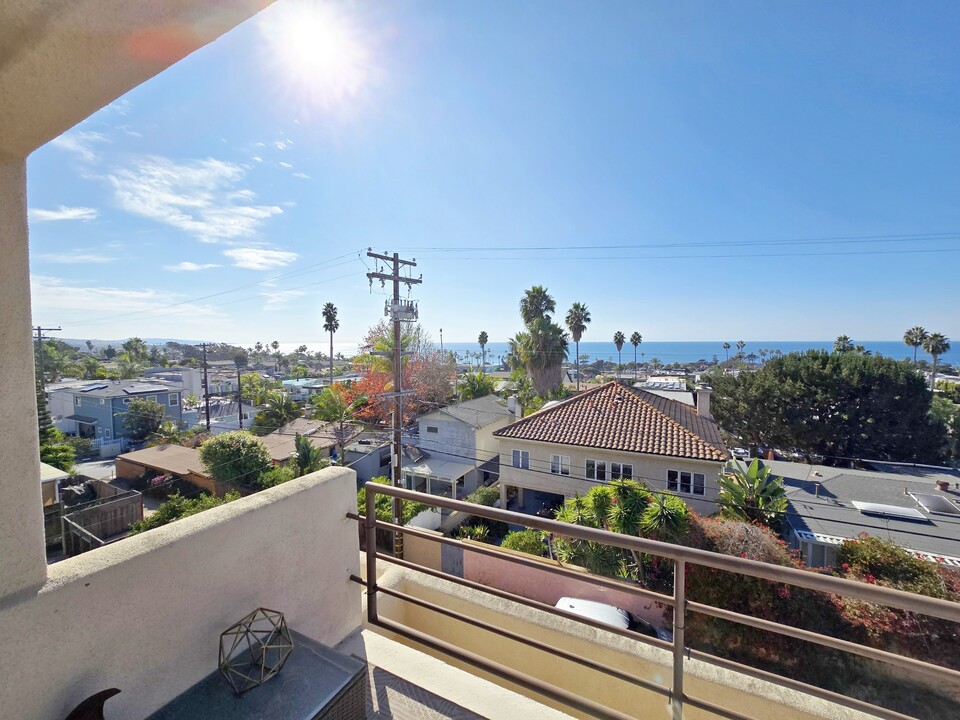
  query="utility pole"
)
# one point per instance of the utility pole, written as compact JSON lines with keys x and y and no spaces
{"x":239,"y":397}
{"x":40,"y":331}
{"x":206,"y":385}
{"x":399,"y":311}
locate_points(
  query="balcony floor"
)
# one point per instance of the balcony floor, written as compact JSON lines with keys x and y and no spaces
{"x":406,"y":684}
{"x":392,"y":698}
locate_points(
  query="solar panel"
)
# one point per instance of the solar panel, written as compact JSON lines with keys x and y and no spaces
{"x":889,"y":510}
{"x":936,"y":503}
{"x":95,"y":386}
{"x":144,"y":387}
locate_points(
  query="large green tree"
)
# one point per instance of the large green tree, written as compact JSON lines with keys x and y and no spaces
{"x":235,"y":456}
{"x":832,"y":404}
{"x":336,"y":406}
{"x":578,"y":317}
{"x":143,"y":417}
{"x":752,"y":494}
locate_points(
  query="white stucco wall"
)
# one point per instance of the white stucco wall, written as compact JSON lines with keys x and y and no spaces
{"x":651,"y":469}
{"x":452,"y":437}
{"x":145,"y":614}
{"x":22,"y":560}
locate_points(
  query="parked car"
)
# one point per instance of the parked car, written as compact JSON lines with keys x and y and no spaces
{"x":613,"y":616}
{"x":741,"y":453}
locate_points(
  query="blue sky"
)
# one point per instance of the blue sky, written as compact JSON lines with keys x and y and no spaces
{"x":697,"y":171}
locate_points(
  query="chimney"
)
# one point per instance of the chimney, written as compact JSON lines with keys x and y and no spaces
{"x":514,"y":407}
{"x":703,"y":401}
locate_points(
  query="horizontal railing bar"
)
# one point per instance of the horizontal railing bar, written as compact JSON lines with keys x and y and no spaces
{"x":493,"y":551}
{"x":938,"y":671}
{"x":522,"y":639}
{"x":879,"y":594}
{"x":575,"y":701}
{"x":801,"y":687}
{"x":715,"y":709}
{"x":657,"y":642}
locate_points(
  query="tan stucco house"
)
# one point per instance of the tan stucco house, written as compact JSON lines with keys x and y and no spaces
{"x":615,"y":431}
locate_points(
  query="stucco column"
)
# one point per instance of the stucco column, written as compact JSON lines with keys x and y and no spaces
{"x":503,"y":495}
{"x":22,"y":559}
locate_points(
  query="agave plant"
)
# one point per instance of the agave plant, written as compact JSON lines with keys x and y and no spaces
{"x":751,"y":493}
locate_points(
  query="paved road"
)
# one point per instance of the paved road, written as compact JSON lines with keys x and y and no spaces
{"x":99,"y":469}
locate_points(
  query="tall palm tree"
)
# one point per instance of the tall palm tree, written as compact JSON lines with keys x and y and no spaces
{"x":914,"y":337}
{"x":740,"y":346}
{"x":936,"y":344}
{"x":541,"y":349}
{"x":578,"y":317}
{"x":619,"y":339}
{"x":330,"y":325}
{"x":635,"y":340}
{"x":726,"y":349}
{"x":843,"y":344}
{"x":482,"y":340}
{"x":536,"y":304}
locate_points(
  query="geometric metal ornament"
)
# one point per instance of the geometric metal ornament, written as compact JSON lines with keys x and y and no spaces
{"x":254,"y":649}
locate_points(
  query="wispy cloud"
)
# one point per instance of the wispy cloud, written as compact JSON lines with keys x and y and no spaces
{"x":301,"y":175}
{"x":80,"y":142}
{"x":75,"y":258}
{"x":280,"y":298}
{"x":199,"y":197}
{"x":57,"y":295}
{"x":260,"y":258}
{"x":187,"y":266}
{"x":63,"y":213}
{"x":285,"y":165}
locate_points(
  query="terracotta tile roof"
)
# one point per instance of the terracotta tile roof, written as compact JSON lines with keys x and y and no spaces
{"x":617,"y":417}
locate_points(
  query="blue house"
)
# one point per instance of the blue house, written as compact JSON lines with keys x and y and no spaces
{"x":97,"y":409}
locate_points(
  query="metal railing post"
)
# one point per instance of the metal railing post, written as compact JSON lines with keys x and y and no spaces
{"x":679,"y":623}
{"x":371,"y":534}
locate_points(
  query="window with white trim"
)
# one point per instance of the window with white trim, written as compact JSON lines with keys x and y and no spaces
{"x":174,"y":400}
{"x":106,"y":433}
{"x":596,"y":470}
{"x":77,"y":400}
{"x":624,"y":471}
{"x":560,"y":464}
{"x":521,"y":459}
{"x":686,"y":483}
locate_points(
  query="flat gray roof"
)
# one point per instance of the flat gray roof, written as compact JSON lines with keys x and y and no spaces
{"x":827,"y":513}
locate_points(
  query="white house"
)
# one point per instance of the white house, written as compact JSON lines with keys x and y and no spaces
{"x":615,"y":431}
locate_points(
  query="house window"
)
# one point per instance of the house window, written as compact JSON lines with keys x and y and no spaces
{"x":686,"y":482}
{"x":77,"y":400}
{"x":384,"y":459}
{"x":596,"y":470}
{"x":126,"y":401}
{"x":433,"y":429}
{"x":152,"y":398}
{"x":106,"y":434}
{"x":521,"y":459}
{"x":173,"y":400}
{"x":560,"y":464}
{"x":103,"y":401}
{"x":624,"y":471}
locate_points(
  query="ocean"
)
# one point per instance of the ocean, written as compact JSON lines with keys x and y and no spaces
{"x":688,"y":352}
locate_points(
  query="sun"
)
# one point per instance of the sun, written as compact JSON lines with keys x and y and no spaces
{"x":318,"y":50}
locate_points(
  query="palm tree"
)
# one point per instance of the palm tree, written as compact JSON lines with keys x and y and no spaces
{"x":751,"y":494}
{"x":578,"y":317}
{"x":333,"y":406}
{"x":279,"y":411}
{"x":740,"y":346}
{"x":726,"y":349}
{"x":635,"y":340}
{"x":330,"y":325}
{"x":541,"y":350}
{"x":619,"y":339}
{"x":482,"y":339}
{"x":536,"y":304}
{"x":843,"y":344}
{"x":914,"y":337}
{"x":936,"y":344}
{"x":308,"y":458}
{"x":276,"y":355}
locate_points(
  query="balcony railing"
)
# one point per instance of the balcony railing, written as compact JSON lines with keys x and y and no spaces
{"x":681,"y":557}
